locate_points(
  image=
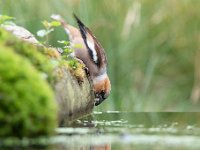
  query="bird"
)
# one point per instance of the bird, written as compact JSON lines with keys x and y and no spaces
{"x":92,"y":54}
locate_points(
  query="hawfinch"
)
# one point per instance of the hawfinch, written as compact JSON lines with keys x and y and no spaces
{"x":92,"y":54}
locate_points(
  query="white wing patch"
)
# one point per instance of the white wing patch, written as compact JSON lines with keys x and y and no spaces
{"x":94,"y":53}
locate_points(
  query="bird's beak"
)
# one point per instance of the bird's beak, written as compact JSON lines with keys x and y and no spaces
{"x":98,"y":100}
{"x":100,"y":97}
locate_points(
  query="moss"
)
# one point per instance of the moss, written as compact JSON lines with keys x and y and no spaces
{"x":27,"y":105}
{"x":43,"y":58}
{"x":32,"y":52}
{"x":76,"y":69}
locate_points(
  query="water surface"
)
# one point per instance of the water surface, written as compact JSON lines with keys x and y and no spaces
{"x":125,"y":130}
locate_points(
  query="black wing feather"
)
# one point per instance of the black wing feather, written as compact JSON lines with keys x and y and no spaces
{"x":83,"y":30}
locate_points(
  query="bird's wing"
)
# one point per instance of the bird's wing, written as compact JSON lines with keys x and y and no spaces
{"x":95,"y":49}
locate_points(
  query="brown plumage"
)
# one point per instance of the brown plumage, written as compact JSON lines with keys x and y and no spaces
{"x":92,"y":54}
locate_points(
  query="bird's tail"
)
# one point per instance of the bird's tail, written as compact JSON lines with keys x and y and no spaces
{"x":79,"y":21}
{"x":82,"y":27}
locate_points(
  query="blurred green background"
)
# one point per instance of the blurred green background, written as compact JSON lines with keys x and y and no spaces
{"x":153,"y":47}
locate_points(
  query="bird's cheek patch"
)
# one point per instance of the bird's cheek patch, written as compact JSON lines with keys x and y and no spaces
{"x":99,"y":87}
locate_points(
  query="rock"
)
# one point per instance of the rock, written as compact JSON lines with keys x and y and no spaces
{"x":21,"y":33}
{"x":74,"y":99}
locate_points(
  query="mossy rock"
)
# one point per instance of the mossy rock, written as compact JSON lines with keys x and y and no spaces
{"x":27,"y":103}
{"x":34,"y":53}
{"x":72,"y":89}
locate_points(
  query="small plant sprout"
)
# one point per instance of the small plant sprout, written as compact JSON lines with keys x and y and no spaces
{"x":49,"y":27}
{"x":4,"y":19}
{"x":73,"y":63}
{"x":67,"y":52}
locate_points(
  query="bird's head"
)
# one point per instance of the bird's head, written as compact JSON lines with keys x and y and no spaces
{"x":102,"y":87}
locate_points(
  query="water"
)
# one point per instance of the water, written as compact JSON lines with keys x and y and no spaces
{"x":122,"y":131}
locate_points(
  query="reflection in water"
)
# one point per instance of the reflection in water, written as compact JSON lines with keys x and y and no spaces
{"x":84,"y":147}
{"x":125,"y":130}
{"x":101,"y":147}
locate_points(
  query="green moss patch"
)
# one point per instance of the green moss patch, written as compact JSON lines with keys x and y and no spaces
{"x":27,"y":104}
{"x":35,"y":54}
